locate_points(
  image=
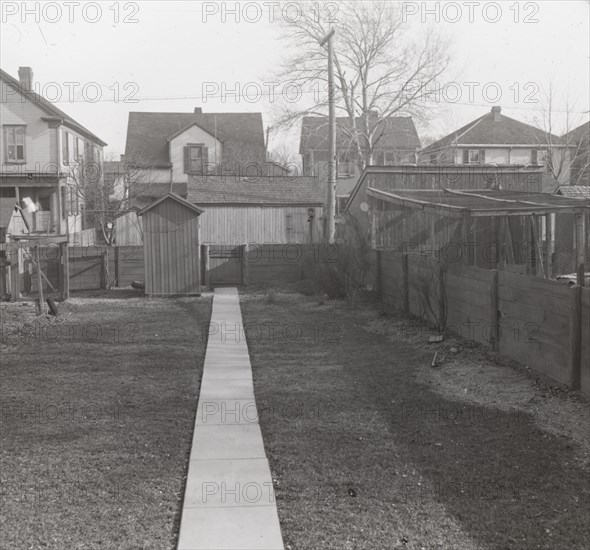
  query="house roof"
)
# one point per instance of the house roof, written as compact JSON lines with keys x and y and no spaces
{"x":278,"y":191}
{"x":480,"y":203}
{"x":579,"y":134}
{"x":148,"y":133}
{"x":49,"y":107}
{"x":494,"y":129}
{"x":574,"y":191}
{"x":174,"y":197}
{"x":397,"y":133}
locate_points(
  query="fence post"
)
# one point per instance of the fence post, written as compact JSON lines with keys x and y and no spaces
{"x":575,"y":338}
{"x":494,"y":312}
{"x":442,"y":298}
{"x":65,"y":272}
{"x":206,"y":265}
{"x":104,"y":270}
{"x":245,"y":266}
{"x":379,"y":280}
{"x":14,"y":274}
{"x":406,"y":282}
{"x":116,"y":259}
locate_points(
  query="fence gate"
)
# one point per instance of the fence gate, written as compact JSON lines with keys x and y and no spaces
{"x":225,"y":265}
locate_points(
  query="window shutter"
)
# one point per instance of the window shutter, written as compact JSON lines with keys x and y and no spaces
{"x":465,"y":156}
{"x":186,"y":160}
{"x":534,"y":156}
{"x":482,"y":156}
{"x":205,"y":160}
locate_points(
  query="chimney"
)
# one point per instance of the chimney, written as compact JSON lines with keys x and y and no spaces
{"x":25,"y":75}
{"x":496,"y":111}
{"x":198,"y":110}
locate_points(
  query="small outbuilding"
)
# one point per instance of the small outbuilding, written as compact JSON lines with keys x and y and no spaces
{"x":171,"y":241}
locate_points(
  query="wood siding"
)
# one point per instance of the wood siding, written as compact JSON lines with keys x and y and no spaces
{"x":172,"y":251}
{"x":230,"y":225}
{"x":234,"y":225}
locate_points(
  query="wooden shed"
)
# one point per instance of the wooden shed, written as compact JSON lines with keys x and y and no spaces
{"x":171,"y":244}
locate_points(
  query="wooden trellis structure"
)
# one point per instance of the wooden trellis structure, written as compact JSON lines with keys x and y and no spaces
{"x":510,"y":230}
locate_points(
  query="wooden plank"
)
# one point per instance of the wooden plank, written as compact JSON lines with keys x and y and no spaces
{"x":575,"y":338}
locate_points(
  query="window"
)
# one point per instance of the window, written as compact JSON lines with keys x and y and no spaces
{"x":474,"y":156}
{"x":65,"y":150}
{"x":63,"y":200}
{"x":79,"y":150}
{"x":14,"y":136}
{"x":195,"y":159}
{"x":345,"y":166}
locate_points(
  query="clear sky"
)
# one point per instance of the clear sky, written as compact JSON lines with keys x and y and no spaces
{"x":168,"y":55}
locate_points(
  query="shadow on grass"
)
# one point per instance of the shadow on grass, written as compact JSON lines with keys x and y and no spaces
{"x":506,"y":481}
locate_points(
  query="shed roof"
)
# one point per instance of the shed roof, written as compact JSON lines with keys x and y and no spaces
{"x":267,"y":191}
{"x":574,"y":191}
{"x":480,"y":203}
{"x":171,"y":196}
{"x":7,"y":207}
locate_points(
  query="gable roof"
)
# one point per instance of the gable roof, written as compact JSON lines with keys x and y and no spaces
{"x":574,"y":191}
{"x":486,"y":130}
{"x":397,"y":132}
{"x":579,"y":134}
{"x":174,"y":197}
{"x":49,"y":107}
{"x":148,"y":133}
{"x":183,"y":130}
{"x":266,"y":191}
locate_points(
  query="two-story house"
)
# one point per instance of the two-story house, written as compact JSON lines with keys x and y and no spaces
{"x":394,"y":141}
{"x":496,"y":139}
{"x":176,"y":147}
{"x":42,"y":149}
{"x":217,"y":161}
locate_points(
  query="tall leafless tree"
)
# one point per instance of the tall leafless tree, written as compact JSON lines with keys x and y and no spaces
{"x":379,"y":67}
{"x":562,"y":148}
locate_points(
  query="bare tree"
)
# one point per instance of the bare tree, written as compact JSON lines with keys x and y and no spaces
{"x":561,"y":147}
{"x":108,"y":193}
{"x":380,"y":70}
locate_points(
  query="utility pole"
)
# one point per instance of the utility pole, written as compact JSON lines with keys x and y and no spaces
{"x":329,"y":237}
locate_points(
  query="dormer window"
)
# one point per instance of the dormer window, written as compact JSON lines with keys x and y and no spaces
{"x":14,"y":137}
{"x":195,"y":159}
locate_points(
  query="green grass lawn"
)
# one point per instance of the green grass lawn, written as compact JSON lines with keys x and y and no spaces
{"x":367,"y":453}
{"x":97,"y":417}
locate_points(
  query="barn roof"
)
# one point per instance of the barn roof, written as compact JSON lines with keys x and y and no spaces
{"x":494,"y":128}
{"x":48,"y":107}
{"x":277,"y":191}
{"x":480,"y":203}
{"x":397,"y":133}
{"x":148,"y":133}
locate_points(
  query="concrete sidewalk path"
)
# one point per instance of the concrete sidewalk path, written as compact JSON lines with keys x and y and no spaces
{"x":229,"y":498}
